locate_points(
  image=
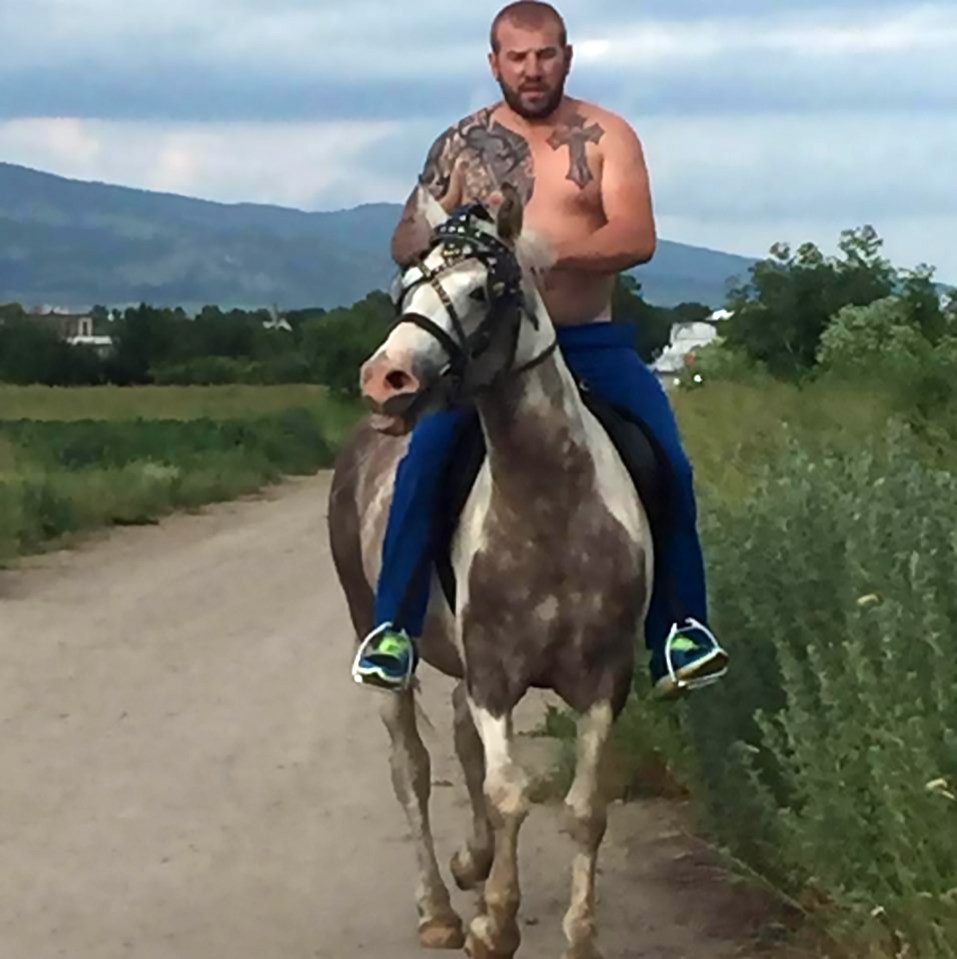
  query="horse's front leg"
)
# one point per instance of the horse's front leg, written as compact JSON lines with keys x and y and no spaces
{"x":472,"y":863}
{"x":588,"y":818}
{"x":439,"y":925}
{"x":495,"y":934}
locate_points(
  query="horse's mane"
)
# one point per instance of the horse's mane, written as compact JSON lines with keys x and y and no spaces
{"x":535,"y":255}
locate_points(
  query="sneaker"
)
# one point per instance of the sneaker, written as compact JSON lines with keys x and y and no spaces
{"x":692,"y":659}
{"x":386,"y":658}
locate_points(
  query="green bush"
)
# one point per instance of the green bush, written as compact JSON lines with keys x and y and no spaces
{"x":827,"y":760}
{"x":874,"y":341}
{"x":719,"y":362}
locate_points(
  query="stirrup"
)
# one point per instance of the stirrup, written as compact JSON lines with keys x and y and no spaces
{"x":364,"y":679}
{"x":682,"y":684}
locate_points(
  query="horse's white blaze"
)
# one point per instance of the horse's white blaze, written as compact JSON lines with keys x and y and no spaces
{"x":410,"y":341}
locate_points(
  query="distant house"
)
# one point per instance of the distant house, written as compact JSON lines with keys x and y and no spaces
{"x":684,"y":340}
{"x":64,"y":323}
{"x":103,"y":345}
{"x":75,"y":328}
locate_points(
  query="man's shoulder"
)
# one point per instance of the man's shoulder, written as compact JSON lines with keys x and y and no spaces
{"x":459,"y":129}
{"x":606,"y":118}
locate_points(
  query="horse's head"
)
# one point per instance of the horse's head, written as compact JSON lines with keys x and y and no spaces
{"x":460,"y":309}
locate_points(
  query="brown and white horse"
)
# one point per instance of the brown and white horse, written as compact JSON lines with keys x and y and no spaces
{"x":552,"y":558}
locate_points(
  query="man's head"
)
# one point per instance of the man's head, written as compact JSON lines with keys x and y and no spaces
{"x":530,"y":57}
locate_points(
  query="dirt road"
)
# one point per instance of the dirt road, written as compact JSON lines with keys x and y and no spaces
{"x":187,"y":772}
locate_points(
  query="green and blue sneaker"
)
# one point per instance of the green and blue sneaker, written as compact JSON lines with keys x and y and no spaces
{"x":692,"y":659}
{"x":386,"y":658}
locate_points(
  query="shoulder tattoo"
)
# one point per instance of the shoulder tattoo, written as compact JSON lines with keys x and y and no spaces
{"x":490,"y":155}
{"x":576,"y":136}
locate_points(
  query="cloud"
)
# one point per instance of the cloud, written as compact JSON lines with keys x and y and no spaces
{"x":663,"y":45}
{"x":306,"y":165}
{"x":293,"y":60}
{"x":761,"y":122}
{"x":750,"y":167}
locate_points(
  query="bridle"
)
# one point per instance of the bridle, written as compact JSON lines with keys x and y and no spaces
{"x":461,"y":240}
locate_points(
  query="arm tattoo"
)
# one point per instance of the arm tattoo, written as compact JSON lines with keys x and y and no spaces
{"x":437,"y":172}
{"x":575,"y":135}
{"x":490,"y":154}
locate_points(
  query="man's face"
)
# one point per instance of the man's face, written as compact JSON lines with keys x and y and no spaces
{"x":531,"y":67}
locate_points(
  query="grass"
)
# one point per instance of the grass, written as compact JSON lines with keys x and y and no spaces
{"x":74,"y":460}
{"x":334,"y":415}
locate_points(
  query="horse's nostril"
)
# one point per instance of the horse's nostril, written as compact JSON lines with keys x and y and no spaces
{"x":399,"y":380}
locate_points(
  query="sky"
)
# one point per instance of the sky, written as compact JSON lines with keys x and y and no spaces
{"x":761,"y":121}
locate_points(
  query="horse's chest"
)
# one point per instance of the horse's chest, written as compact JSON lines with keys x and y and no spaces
{"x":554,"y":565}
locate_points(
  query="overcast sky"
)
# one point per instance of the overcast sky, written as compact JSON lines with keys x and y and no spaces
{"x":758,"y":126}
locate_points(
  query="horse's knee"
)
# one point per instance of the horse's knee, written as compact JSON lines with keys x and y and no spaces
{"x":586,"y":824}
{"x":507,"y":794}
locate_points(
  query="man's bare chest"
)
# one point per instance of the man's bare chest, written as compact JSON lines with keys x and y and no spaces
{"x":557,"y":167}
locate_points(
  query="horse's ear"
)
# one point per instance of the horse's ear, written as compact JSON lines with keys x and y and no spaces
{"x":511,"y":214}
{"x":428,"y":209}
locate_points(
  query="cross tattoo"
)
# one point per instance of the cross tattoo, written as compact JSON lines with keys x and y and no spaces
{"x":575,"y":135}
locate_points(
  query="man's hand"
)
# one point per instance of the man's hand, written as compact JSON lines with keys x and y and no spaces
{"x":628,"y":237}
{"x":412,"y":234}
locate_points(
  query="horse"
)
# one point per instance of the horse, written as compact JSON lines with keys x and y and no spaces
{"x":552,"y":555}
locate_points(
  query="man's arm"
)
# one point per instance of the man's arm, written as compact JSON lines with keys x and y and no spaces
{"x":629,"y":237}
{"x":443,"y":180}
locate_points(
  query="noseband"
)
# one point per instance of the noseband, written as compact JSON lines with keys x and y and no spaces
{"x":461,"y":240}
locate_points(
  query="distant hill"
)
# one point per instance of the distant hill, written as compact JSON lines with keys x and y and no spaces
{"x":68,"y":242}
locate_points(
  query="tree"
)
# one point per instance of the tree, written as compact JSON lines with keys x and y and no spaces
{"x":874,"y":341}
{"x":31,"y":352}
{"x":780,"y":314}
{"x":923,"y":302}
{"x":145,"y":337}
{"x":335,"y":344}
{"x":652,"y":324}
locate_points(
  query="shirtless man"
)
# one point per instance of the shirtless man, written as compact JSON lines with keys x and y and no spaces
{"x":581,"y":174}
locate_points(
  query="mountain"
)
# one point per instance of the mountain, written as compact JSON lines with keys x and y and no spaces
{"x":74,"y":243}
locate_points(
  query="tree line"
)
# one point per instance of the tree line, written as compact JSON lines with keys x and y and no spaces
{"x":166,"y":346}
{"x":801,"y":314}
{"x":797,"y":313}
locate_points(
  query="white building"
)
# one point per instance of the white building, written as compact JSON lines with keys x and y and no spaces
{"x":685,"y":339}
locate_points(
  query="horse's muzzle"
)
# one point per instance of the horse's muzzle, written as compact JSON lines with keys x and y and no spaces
{"x":393,"y":392}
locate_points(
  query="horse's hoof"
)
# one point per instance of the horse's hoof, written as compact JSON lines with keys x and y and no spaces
{"x":478,"y":946}
{"x":442,"y":933}
{"x":469,"y":870}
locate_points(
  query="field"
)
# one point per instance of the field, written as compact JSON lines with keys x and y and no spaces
{"x":72,"y":460}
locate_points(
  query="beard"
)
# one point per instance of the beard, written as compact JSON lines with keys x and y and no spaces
{"x":541,"y":109}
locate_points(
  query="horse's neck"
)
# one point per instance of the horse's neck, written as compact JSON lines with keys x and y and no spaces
{"x":535,"y":428}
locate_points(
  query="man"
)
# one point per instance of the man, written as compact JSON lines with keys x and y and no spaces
{"x":581,"y":174}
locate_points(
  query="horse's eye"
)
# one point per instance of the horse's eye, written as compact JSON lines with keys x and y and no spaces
{"x":478,"y":294}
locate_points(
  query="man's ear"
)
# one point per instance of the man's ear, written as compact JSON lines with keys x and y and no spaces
{"x":511,"y":214}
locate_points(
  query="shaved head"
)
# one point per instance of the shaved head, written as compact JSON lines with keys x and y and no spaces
{"x":530,"y":15}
